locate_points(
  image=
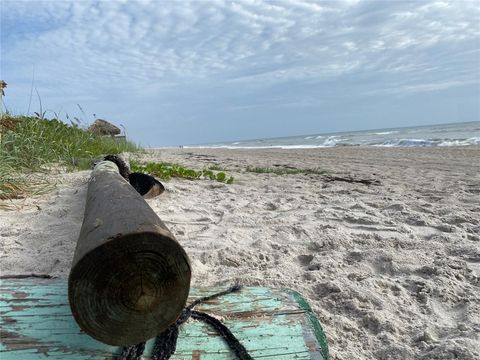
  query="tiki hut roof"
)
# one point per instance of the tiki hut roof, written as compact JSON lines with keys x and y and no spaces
{"x":103,"y":127}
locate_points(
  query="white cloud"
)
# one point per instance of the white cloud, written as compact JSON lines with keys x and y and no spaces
{"x":404,"y":90}
{"x":142,"y":49}
{"x":144,"y":41}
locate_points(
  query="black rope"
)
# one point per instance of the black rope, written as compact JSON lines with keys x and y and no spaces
{"x":132,"y":352}
{"x":166,"y":342}
{"x":224,"y":332}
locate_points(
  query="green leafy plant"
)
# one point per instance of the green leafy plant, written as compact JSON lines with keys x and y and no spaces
{"x":166,"y":171}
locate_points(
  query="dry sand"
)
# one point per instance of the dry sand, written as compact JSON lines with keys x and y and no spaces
{"x":392,"y":271}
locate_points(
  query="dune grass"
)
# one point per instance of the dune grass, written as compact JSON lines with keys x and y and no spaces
{"x":30,"y":145}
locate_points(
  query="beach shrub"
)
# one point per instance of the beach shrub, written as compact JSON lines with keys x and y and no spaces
{"x":166,"y":171}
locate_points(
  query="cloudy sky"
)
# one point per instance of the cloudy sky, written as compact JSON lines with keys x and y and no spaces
{"x":176,"y":72}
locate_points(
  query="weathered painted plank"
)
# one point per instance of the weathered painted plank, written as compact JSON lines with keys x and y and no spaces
{"x":36,"y":323}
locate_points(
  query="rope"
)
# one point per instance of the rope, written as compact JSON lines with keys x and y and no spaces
{"x":133,"y":352}
{"x":224,"y":332}
{"x":166,"y":342}
{"x":122,"y":165}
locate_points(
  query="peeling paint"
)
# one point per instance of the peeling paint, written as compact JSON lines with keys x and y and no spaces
{"x":271,"y":324}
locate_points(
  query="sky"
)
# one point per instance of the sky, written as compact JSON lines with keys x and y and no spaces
{"x":177,"y":72}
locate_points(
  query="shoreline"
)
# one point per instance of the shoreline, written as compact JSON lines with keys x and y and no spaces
{"x":300,"y":147}
{"x":391,"y":270}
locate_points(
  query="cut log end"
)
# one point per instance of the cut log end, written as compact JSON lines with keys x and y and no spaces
{"x":122,"y":293}
{"x":141,"y":294}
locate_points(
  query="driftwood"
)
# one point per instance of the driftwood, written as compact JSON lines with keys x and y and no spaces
{"x":330,"y":178}
{"x":130,"y":278}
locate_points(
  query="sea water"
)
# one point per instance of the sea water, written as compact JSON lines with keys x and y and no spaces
{"x":455,"y":134}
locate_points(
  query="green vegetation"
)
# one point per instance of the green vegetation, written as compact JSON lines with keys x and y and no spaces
{"x":28,"y":143}
{"x":166,"y":171}
{"x":285,"y":171}
{"x":31,"y":144}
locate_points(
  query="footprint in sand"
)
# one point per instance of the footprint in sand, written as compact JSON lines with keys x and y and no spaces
{"x":270,"y":206}
{"x":385,"y":264}
{"x":419,"y":289}
{"x":325,"y":289}
{"x":305,"y":260}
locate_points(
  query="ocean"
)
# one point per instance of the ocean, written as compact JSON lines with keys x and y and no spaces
{"x":455,"y":134}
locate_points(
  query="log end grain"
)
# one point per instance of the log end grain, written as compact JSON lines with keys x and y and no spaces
{"x":131,"y":288}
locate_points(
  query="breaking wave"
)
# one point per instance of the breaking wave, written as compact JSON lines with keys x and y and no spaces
{"x":456,"y":134}
{"x":428,"y":142}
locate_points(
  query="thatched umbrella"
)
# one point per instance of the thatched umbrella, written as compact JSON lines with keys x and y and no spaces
{"x":102,"y":127}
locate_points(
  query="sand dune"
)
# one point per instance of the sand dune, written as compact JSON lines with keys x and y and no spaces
{"x":392,"y":270}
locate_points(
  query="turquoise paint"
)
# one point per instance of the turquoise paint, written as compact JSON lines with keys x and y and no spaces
{"x":317,"y":327}
{"x":271,"y":324}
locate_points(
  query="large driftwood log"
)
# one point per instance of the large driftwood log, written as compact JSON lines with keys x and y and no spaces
{"x":130,"y":278}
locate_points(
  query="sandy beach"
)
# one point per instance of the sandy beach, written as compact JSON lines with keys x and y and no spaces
{"x":391,"y":269}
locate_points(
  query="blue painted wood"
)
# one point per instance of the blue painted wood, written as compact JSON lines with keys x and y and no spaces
{"x":36,"y":323}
